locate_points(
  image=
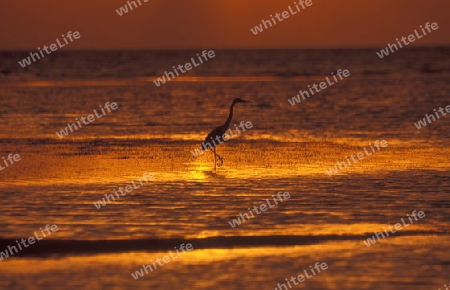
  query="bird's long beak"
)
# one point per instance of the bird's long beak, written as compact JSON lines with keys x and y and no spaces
{"x":247,"y":101}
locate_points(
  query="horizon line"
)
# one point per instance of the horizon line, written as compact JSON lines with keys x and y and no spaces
{"x":234,"y":48}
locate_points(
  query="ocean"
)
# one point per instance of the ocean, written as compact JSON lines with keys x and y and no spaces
{"x":290,"y":148}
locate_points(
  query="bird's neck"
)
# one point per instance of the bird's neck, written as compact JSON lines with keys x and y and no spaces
{"x":227,"y":123}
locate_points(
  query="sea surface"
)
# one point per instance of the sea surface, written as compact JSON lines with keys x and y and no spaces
{"x":288,"y":149}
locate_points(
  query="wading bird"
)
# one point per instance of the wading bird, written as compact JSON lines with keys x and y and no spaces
{"x":220,"y":131}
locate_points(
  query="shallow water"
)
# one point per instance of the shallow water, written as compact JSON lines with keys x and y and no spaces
{"x":288,"y":149}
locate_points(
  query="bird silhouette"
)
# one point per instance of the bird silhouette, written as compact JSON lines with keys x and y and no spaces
{"x":220,"y":131}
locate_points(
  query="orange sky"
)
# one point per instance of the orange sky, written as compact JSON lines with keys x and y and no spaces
{"x":27,"y":24}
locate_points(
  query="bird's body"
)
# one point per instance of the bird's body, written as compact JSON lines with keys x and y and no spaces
{"x":220,"y":131}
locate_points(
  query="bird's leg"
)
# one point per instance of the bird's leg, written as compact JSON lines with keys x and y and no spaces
{"x":215,"y":157}
{"x":220,"y":159}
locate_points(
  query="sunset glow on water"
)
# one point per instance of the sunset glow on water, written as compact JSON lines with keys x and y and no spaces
{"x":332,"y":166}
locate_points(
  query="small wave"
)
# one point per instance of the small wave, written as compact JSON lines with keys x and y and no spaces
{"x":67,"y":247}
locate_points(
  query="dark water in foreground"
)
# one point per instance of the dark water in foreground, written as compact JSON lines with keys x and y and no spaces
{"x":288,"y":149}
